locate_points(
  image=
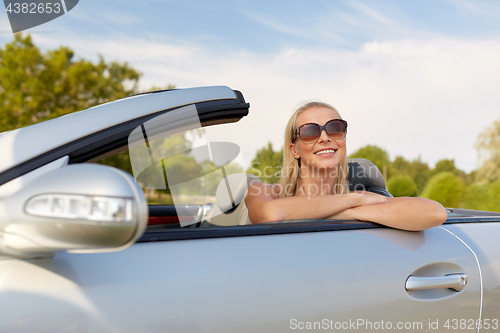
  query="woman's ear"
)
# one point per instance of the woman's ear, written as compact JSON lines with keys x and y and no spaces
{"x":294,"y":151}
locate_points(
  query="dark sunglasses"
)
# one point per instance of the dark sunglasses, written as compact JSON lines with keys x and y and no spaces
{"x":310,"y":132}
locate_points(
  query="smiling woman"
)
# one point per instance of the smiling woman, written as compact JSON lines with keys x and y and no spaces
{"x":314,"y":180}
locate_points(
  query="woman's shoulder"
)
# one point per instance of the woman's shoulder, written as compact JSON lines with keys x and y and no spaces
{"x":259,"y":189}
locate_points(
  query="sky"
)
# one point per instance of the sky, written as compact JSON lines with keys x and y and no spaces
{"x":420,"y":79}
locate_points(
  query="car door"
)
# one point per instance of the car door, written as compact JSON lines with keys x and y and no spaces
{"x":186,"y":274}
{"x":268,"y":279}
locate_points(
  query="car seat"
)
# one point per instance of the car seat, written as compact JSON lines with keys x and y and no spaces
{"x":365,"y":176}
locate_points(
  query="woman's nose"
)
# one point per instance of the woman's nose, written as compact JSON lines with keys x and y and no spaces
{"x":324,"y":136}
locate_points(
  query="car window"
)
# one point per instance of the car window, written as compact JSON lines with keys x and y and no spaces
{"x":186,"y":174}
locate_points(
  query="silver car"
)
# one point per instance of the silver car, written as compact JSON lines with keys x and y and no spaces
{"x":129,"y":217}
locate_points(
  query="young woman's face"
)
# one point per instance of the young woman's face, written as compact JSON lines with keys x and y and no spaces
{"x":310,"y":153}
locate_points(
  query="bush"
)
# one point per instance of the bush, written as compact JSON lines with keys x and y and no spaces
{"x":445,"y":188}
{"x":402,"y":186}
{"x":377,"y":155}
{"x":484,"y":196}
{"x":267,"y":164}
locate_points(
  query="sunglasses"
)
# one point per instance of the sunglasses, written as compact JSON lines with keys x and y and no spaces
{"x":310,"y":132}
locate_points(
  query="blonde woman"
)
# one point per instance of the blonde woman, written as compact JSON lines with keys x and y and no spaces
{"x":314,"y":180}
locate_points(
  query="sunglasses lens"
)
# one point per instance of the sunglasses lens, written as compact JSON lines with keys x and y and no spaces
{"x":336,"y":129}
{"x":309,"y":133}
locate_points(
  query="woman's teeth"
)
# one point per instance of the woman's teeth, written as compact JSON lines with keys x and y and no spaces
{"x":326,"y":151}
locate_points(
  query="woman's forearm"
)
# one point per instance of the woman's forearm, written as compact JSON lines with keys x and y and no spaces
{"x":304,"y":207}
{"x":401,"y":213}
{"x":264,"y":206}
{"x":307,"y":207}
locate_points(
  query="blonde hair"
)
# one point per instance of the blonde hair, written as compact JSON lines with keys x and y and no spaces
{"x":290,"y":172}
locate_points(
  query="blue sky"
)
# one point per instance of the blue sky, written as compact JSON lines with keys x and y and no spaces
{"x":417,"y":78}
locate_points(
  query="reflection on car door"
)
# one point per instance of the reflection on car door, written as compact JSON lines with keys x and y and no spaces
{"x":273,"y":283}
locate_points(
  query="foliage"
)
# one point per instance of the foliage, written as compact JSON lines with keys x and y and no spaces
{"x":445,"y":165}
{"x":445,"y":188}
{"x":402,"y":186}
{"x":402,"y":166}
{"x":417,"y":170}
{"x":377,"y":155}
{"x":488,"y":147}
{"x":483,"y":196}
{"x":159,"y":88}
{"x":118,"y":160}
{"x":267,"y":164}
{"x":36,"y":86}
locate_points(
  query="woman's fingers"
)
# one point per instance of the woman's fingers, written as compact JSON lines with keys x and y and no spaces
{"x":372,"y":198}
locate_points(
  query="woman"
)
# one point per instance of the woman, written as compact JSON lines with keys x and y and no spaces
{"x":314,"y":180}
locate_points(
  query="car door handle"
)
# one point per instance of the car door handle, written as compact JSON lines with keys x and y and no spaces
{"x":456,"y":281}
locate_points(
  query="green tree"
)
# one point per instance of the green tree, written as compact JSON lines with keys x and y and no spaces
{"x":488,"y":147}
{"x":448,"y":165}
{"x":445,"y":165}
{"x":402,"y":186}
{"x":267,"y":164}
{"x":402,"y":166}
{"x":377,"y":155}
{"x":36,"y":86}
{"x":445,"y":188}
{"x":483,"y":196}
{"x":417,"y":170}
{"x":421,"y":174}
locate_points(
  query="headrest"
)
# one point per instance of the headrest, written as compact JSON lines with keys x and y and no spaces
{"x":228,"y":198}
{"x":363,"y":174}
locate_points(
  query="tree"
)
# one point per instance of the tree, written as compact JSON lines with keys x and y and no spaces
{"x":402,"y":186}
{"x":267,"y":164}
{"x":488,"y":147}
{"x":417,"y":170}
{"x":483,"y":196}
{"x":445,"y":165}
{"x":377,"y":155}
{"x":36,"y":86}
{"x":445,"y":188}
{"x":448,"y":165}
{"x":400,"y":165}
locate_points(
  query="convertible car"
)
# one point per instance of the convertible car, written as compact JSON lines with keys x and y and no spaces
{"x":129,"y":217}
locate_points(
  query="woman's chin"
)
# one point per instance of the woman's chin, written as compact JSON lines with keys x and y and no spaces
{"x":324,"y":164}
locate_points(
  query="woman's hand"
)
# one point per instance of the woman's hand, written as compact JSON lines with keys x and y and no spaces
{"x":401,"y":213}
{"x":366,"y":198}
{"x":369,"y":198}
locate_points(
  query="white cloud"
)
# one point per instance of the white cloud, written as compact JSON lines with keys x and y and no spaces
{"x":427,"y":98}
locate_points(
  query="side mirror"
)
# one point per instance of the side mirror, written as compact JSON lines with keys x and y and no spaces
{"x":81,"y":208}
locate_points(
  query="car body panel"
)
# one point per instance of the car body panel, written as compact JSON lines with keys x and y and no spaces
{"x":237,"y":284}
{"x":482,"y":238}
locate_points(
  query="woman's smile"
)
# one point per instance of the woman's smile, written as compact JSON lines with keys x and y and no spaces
{"x":326,"y":152}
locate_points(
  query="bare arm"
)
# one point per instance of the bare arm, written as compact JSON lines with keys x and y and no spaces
{"x":265,"y":206}
{"x":401,"y":213}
